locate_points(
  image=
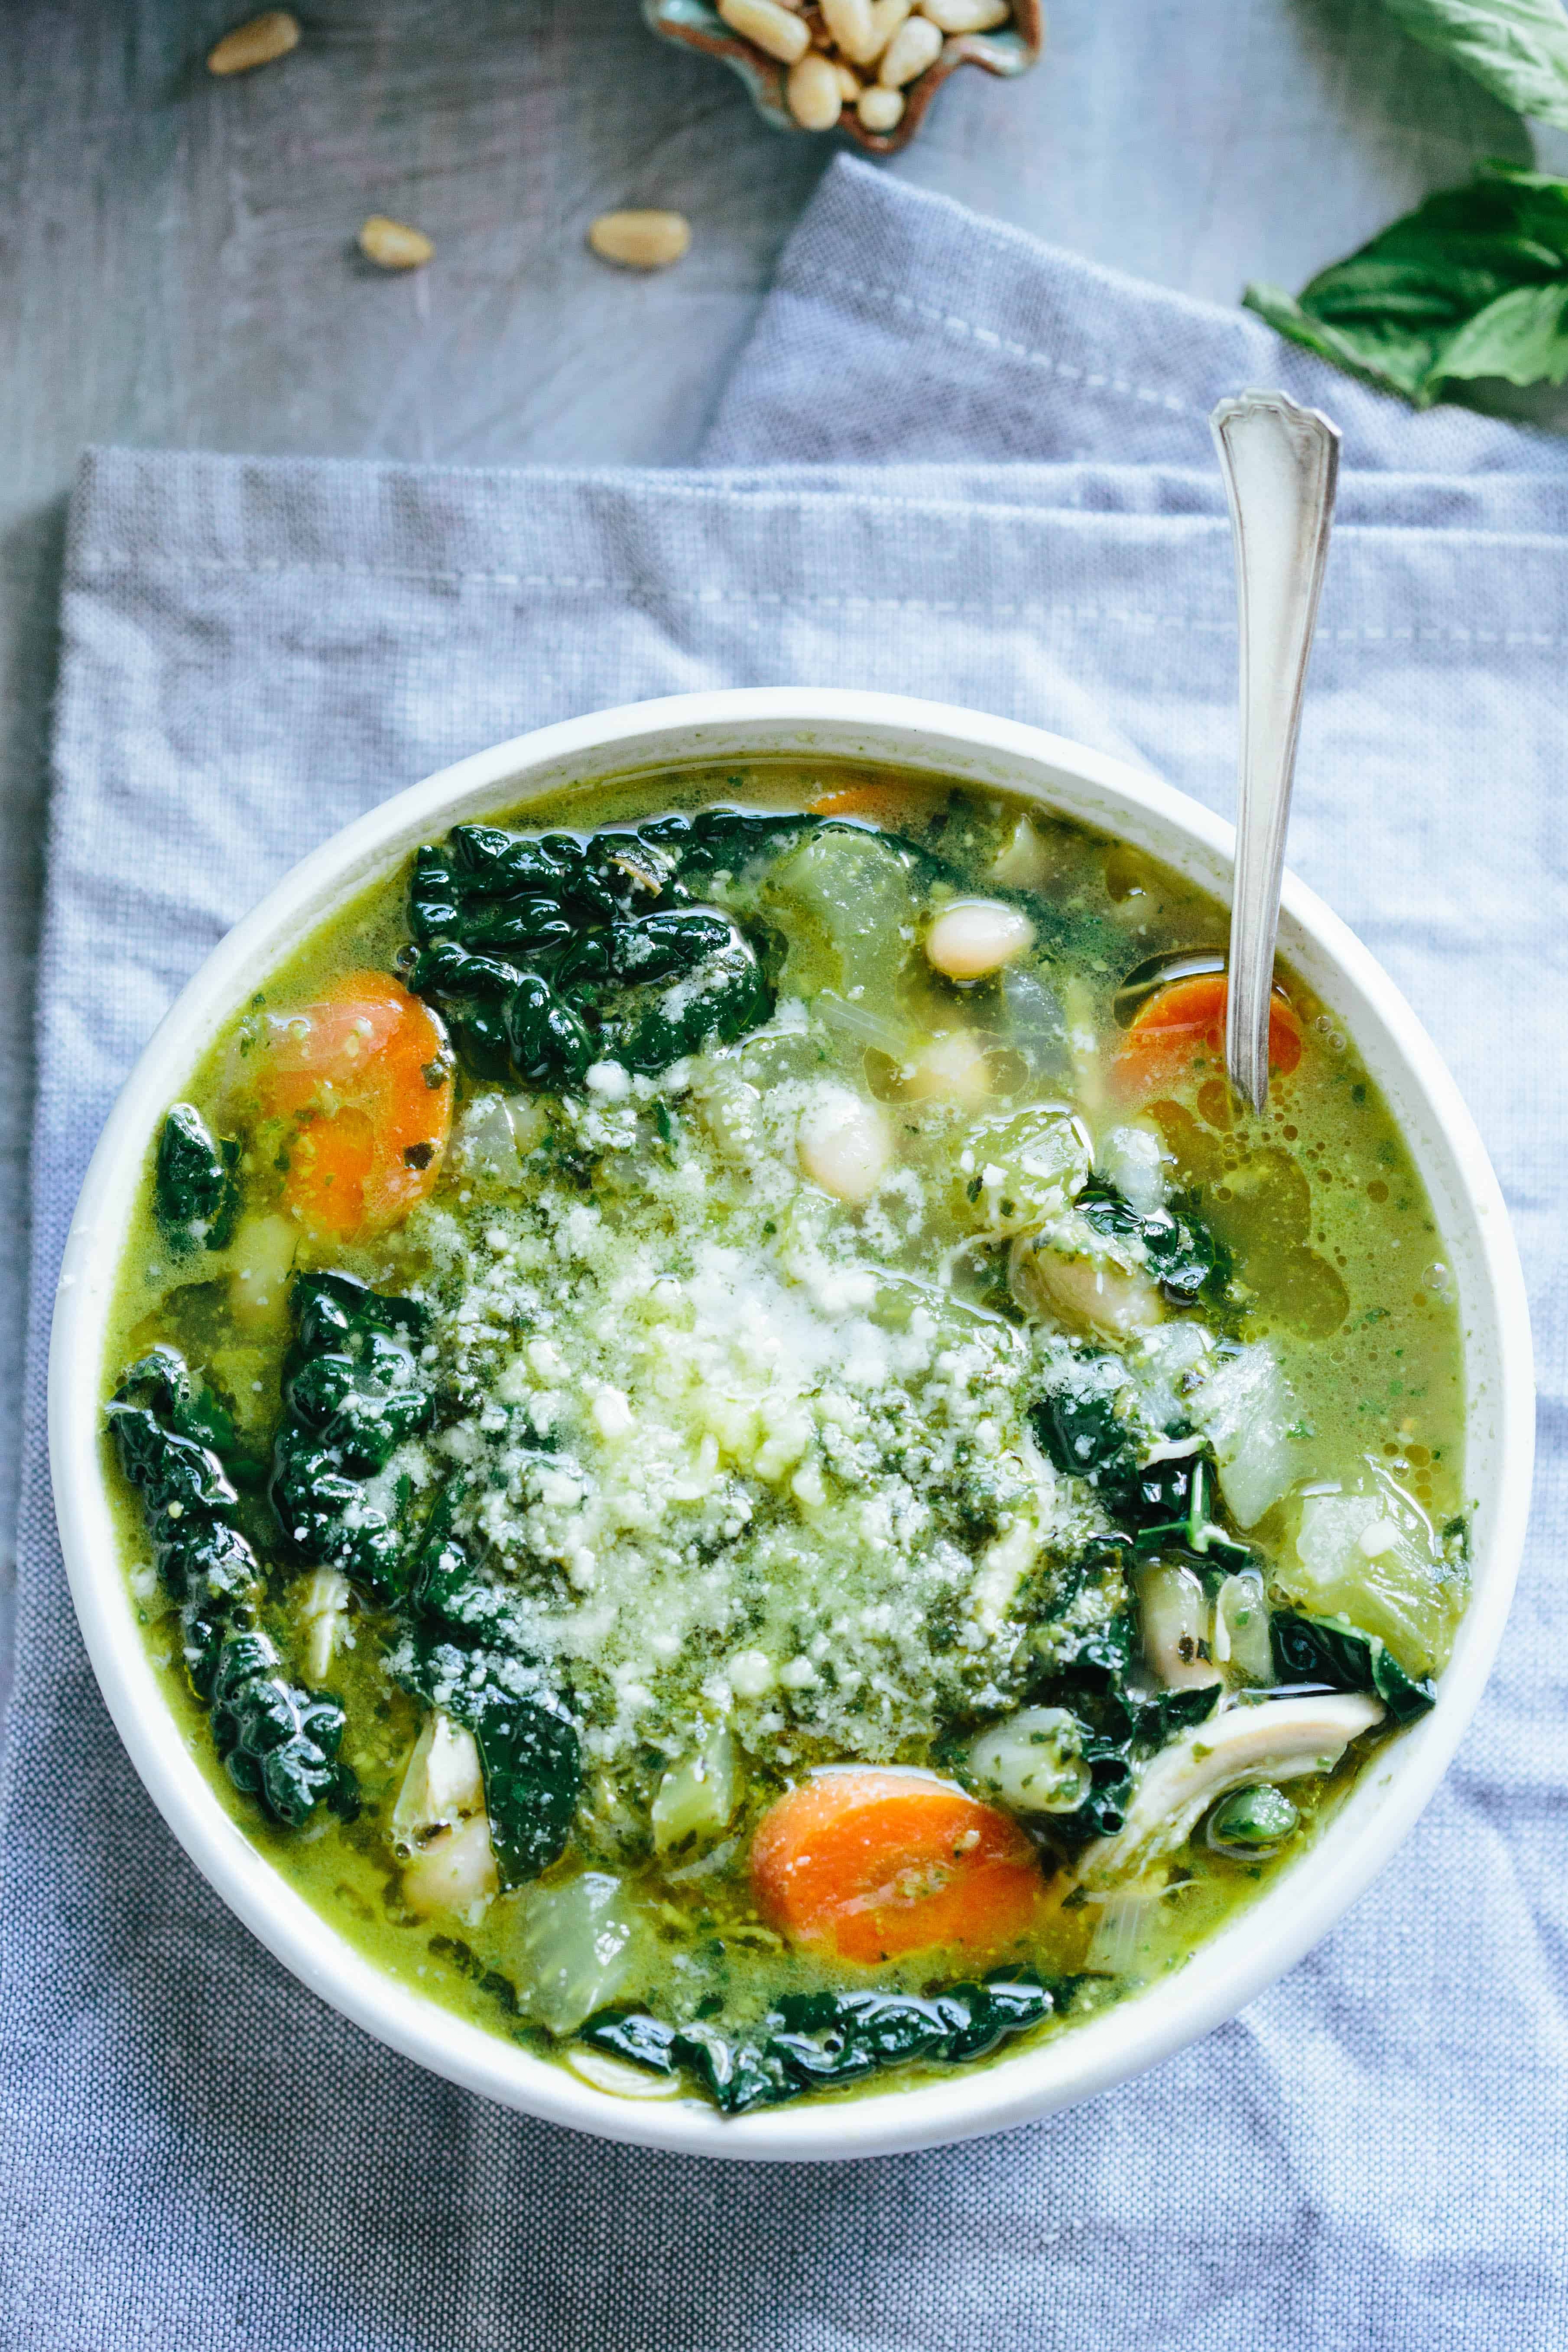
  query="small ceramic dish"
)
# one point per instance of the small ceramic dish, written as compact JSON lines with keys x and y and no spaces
{"x":1302,"y":1904}
{"x":1011,"y":50}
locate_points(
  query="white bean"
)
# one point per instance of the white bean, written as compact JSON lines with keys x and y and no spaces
{"x":850,"y":23}
{"x":1086,"y":1292}
{"x":879,"y":108}
{"x":650,"y":240}
{"x":1173,"y":1616}
{"x":915,"y":46}
{"x":952,"y":1069}
{"x":773,"y":29}
{"x":456,"y":1871}
{"x":816,"y":99}
{"x":967,"y":15}
{"x":1031,"y":1762}
{"x":973,"y":937}
{"x":843,"y":1145}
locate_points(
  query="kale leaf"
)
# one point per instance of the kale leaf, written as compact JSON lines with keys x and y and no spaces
{"x":1474,"y":282}
{"x":278,"y":1743}
{"x":1170,"y":1504}
{"x":815,"y":2041}
{"x":1190,"y":1265}
{"x":546,"y":954}
{"x":195,"y":1196}
{"x":465,"y":1654}
{"x":1331,"y":1650}
{"x":1518,"y":49}
{"x":353,"y":1391}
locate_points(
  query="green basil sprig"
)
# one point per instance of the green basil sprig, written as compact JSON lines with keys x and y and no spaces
{"x":1518,"y":49}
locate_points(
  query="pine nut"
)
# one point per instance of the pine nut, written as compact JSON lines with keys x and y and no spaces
{"x":879,"y":109}
{"x":967,"y":15}
{"x":641,"y":240}
{"x":913,"y":47}
{"x":887,"y":16}
{"x":849,"y":83}
{"x":391,"y":245}
{"x":773,"y":29}
{"x":814,"y":99}
{"x":259,"y":43}
{"x":851,"y":25}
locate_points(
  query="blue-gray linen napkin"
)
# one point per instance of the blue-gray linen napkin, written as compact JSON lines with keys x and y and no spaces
{"x":954,"y":463}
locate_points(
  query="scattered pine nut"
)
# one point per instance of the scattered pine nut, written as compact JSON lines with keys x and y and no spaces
{"x":261,"y":42}
{"x":849,"y":83}
{"x":641,"y":240}
{"x":879,"y":109}
{"x":772,"y":28}
{"x":391,"y":245}
{"x":967,"y":15}
{"x":816,"y":99}
{"x":916,"y":45}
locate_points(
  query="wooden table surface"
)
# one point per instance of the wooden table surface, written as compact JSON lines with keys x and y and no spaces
{"x":177,"y":267}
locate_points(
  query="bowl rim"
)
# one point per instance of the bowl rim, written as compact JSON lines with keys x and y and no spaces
{"x":1285,"y":1921}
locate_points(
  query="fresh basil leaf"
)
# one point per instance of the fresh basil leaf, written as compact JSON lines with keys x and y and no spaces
{"x":1518,"y":49}
{"x":1473,"y":283}
{"x":1522,"y":337}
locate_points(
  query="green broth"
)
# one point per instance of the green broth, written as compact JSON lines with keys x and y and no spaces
{"x":766,"y":1474}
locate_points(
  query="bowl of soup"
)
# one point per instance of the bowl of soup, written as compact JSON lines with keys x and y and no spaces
{"x":715,"y":1476}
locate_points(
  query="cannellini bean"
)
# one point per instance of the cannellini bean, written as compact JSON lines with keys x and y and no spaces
{"x":973,"y":937}
{"x":967,"y":15}
{"x":1032,"y":1762}
{"x":879,"y":108}
{"x":773,"y":29}
{"x":261,"y":42}
{"x":392,"y":245}
{"x":915,"y":46}
{"x":650,"y":240}
{"x":1173,"y":1617}
{"x":850,"y":23}
{"x":843,"y":1145}
{"x":953,"y":1070}
{"x":816,"y":99}
{"x":1088,"y":1292}
{"x":455,"y":1872}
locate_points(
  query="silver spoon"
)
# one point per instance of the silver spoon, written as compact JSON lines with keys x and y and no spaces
{"x":1281,"y":467}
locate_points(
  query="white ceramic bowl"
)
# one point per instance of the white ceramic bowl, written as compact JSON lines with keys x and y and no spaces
{"x":1302,"y":1904}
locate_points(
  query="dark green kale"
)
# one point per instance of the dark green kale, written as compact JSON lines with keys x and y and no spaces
{"x":1120,"y":1723}
{"x":820,"y":2042}
{"x":546,"y":954}
{"x":1331,"y":1650}
{"x":465,"y":1653}
{"x":1191,"y":1266}
{"x":195,"y":1196}
{"x":279,"y":1743}
{"x":1171,"y":1505}
{"x":353,"y":1390}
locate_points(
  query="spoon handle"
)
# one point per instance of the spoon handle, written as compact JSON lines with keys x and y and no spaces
{"x":1281,"y":466}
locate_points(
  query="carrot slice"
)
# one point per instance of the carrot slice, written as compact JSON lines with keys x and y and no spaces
{"x":891,"y":805}
{"x":872,"y":1863}
{"x":364,"y":1075}
{"x":1182,"y":1029}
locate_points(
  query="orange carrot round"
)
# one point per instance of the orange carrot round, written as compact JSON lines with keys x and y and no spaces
{"x":1182,"y":1028}
{"x":892,"y":806}
{"x":364,"y":1075}
{"x":870,"y":1863}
